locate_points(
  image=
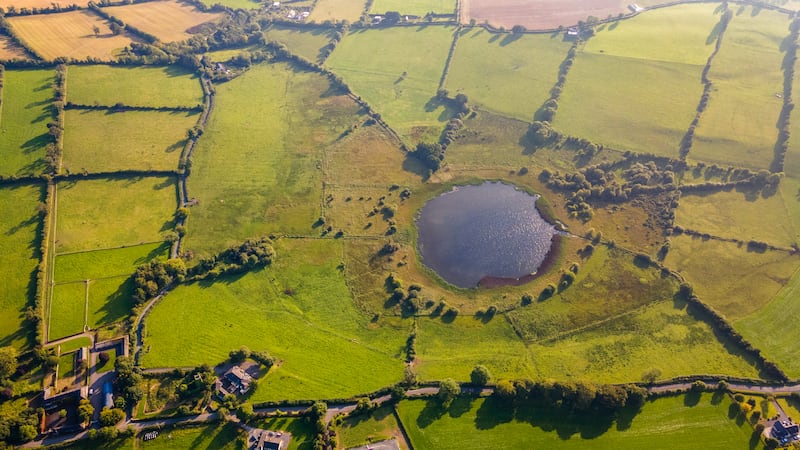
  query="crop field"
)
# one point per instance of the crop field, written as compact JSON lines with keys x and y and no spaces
{"x":69,"y":34}
{"x":10,"y":50}
{"x":740,"y":215}
{"x":400,"y":77}
{"x":492,"y":344}
{"x":739,"y":125}
{"x":605,"y":102}
{"x":19,"y":256}
{"x":106,"y":85}
{"x":538,"y":14}
{"x":103,"y":141}
{"x":507,"y":74}
{"x":413,"y":7}
{"x":135,"y":211}
{"x":299,"y":310}
{"x":257,"y":168}
{"x":26,"y":110}
{"x":670,"y":422}
{"x":731,"y":278}
{"x":167,"y":20}
{"x":303,"y":42}
{"x":337,"y":10}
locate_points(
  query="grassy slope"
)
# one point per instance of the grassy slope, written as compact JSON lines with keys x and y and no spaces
{"x":135,"y":211}
{"x":337,"y":10}
{"x":135,"y":86}
{"x":256,"y":168}
{"x":372,"y":62}
{"x":305,"y":43}
{"x":26,"y":110}
{"x":326,"y":347}
{"x":734,"y":281}
{"x":504,"y":73}
{"x":98,"y":141}
{"x":620,"y":91}
{"x":19,"y":256}
{"x":413,"y":7}
{"x":738,"y":127}
{"x":664,"y":423}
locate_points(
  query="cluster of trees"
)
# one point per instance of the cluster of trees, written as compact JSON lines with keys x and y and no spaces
{"x":322,"y":438}
{"x":20,"y":428}
{"x":120,"y":107}
{"x":430,"y":154}
{"x":707,"y":313}
{"x":200,"y":381}
{"x":762,"y":180}
{"x":571,"y":396}
{"x":129,"y":380}
{"x":153,"y":277}
{"x":248,"y":255}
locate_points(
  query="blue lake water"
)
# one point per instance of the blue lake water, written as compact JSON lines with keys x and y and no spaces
{"x":489,"y":230}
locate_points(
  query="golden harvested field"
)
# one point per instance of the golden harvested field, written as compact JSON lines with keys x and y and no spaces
{"x":10,"y":50}
{"x":169,"y":21}
{"x":69,"y":34}
{"x":538,"y":14}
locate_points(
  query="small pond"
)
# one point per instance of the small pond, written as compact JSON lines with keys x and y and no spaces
{"x":490,"y":234}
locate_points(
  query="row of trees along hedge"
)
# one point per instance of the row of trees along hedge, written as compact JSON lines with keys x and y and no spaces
{"x":578,"y":397}
{"x":55,"y":128}
{"x":688,"y":138}
{"x":768,"y":368}
{"x":789,"y":60}
{"x":155,"y":276}
{"x":11,"y":10}
{"x":34,"y":313}
{"x":547,"y":112}
{"x":120,"y":107}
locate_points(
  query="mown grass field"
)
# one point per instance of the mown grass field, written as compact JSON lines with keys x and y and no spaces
{"x":26,"y":110}
{"x":671,"y":422}
{"x":413,"y":7}
{"x":373,"y":64}
{"x":735,"y":281}
{"x":771,"y":327}
{"x":102,"y":141}
{"x":110,"y":286}
{"x":739,"y":125}
{"x":740,"y":215}
{"x":167,"y":20}
{"x":303,"y":42}
{"x":257,"y":169}
{"x":299,"y":310}
{"x":507,"y":74}
{"x":133,"y":86}
{"x":379,"y":425}
{"x":20,"y":226}
{"x":337,"y":10}
{"x":629,"y":103}
{"x":69,"y":34}
{"x":67,"y":312}
{"x":134,"y":211}
{"x":452,"y":350}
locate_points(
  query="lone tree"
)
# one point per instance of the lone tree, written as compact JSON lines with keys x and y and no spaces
{"x":448,"y":391}
{"x":96,"y":30}
{"x":480,"y":375}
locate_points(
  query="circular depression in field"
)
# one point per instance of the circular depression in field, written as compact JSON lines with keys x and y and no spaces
{"x":488,"y":234}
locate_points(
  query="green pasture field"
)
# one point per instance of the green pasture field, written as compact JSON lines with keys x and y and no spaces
{"x":452,"y":350}
{"x":413,"y":7}
{"x":229,"y":53}
{"x":679,"y":422}
{"x":739,"y":125}
{"x":301,"y":41}
{"x":505,"y":73}
{"x":134,"y":211}
{"x":301,"y":429}
{"x":629,"y":103}
{"x":377,"y":426}
{"x":740,"y":215}
{"x":67,"y":312}
{"x":337,"y":10}
{"x":169,"y":86}
{"x":662,"y":336}
{"x":217,"y":436}
{"x":684,"y":34}
{"x":772,"y":326}
{"x":66,"y":365}
{"x":353,"y":209}
{"x":372,"y":63}
{"x":26,"y":110}
{"x":20,"y":225}
{"x":111,"y":287}
{"x":257,"y":168}
{"x":74,"y":344}
{"x":299,"y":310}
{"x":369,"y":157}
{"x":100,"y":141}
{"x":735,"y":281}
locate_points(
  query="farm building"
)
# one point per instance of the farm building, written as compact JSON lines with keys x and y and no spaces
{"x":785,"y":431}
{"x":268,"y":440}
{"x":235,"y":381}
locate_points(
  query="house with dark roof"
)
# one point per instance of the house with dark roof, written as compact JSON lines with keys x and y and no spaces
{"x":235,"y":381}
{"x":268,"y":440}
{"x":785,"y":431}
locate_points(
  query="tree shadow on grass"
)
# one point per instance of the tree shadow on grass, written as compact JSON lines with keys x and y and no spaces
{"x":692,"y":398}
{"x":432,"y":412}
